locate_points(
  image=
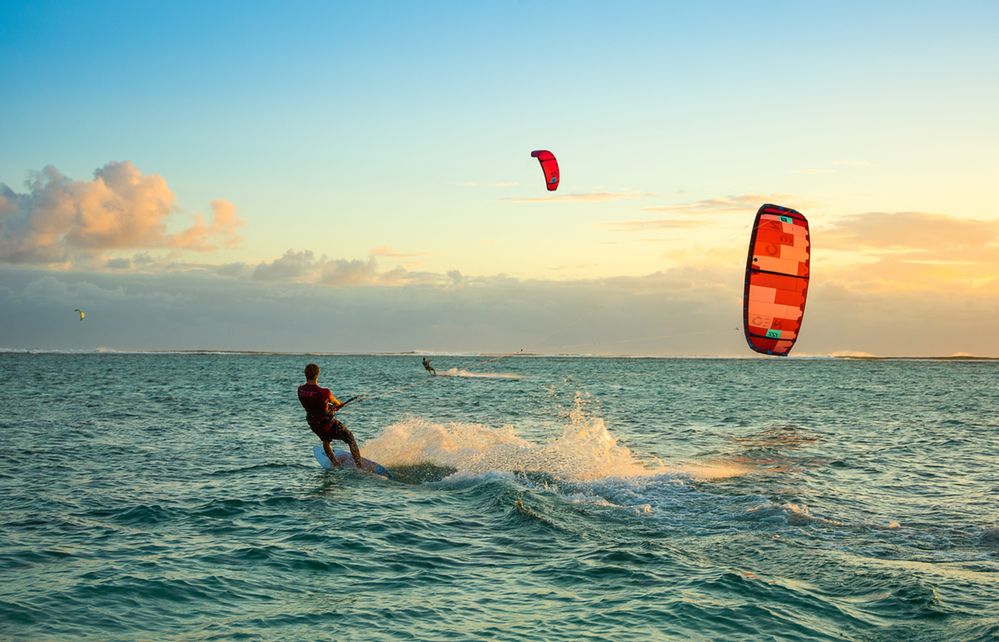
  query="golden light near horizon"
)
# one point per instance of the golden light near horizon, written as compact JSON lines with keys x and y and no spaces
{"x":392,"y":186}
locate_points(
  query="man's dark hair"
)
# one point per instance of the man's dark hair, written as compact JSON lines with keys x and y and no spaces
{"x":312,"y":372}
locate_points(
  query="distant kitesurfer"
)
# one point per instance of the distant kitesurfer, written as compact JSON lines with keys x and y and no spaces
{"x":429,"y":368}
{"x":320,"y":406}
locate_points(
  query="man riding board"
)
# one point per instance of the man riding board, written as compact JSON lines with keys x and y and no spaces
{"x":320,"y":406}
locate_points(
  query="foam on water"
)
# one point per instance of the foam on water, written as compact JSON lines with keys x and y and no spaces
{"x":467,"y":374}
{"x":584,"y":451}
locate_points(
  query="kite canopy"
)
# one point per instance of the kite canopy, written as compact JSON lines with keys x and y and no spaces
{"x":549,"y":166}
{"x":777,"y":272}
{"x":81,"y":312}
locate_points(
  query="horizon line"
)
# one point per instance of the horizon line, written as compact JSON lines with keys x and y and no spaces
{"x":494,"y":355}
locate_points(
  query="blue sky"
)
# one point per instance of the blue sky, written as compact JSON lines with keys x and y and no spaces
{"x":401,"y":132}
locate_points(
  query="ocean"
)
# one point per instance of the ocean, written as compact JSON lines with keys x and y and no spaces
{"x":175,"y":497}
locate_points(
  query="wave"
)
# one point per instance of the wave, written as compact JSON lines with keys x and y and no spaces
{"x":461,"y":372}
{"x":585,"y":450}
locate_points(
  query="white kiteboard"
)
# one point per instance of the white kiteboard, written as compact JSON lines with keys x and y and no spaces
{"x":347,"y":461}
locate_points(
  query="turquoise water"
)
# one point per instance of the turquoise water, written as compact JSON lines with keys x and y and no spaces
{"x":174,"y":496}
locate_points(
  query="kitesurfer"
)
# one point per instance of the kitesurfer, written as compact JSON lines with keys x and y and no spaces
{"x":429,"y":368}
{"x":320,"y":406}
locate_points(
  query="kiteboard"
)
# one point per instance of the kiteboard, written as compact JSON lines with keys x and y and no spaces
{"x":346,"y":461}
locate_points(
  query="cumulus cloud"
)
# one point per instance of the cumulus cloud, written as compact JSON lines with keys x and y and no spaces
{"x":205,"y":237}
{"x":350,"y":272}
{"x":343,"y":272}
{"x":292,"y":265}
{"x":305,"y":267}
{"x":60,"y":220}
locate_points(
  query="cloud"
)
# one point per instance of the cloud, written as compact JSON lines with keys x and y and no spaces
{"x":221,"y":232}
{"x":682,"y":311}
{"x":62,"y":221}
{"x":303,"y":267}
{"x":385,"y":250}
{"x":659,"y":224}
{"x":119,"y":263}
{"x":454,"y":313}
{"x":919,"y":231}
{"x":52,"y":290}
{"x":234,"y":270}
{"x":350,"y":272}
{"x":292,"y":265}
{"x":911,"y":251}
{"x":591,"y":197}
{"x":355,"y":272}
{"x":742,"y":203}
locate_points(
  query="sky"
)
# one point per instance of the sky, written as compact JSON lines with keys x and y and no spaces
{"x":356,"y":177}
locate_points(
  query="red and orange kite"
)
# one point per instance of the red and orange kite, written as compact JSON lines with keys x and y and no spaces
{"x":777,"y":272}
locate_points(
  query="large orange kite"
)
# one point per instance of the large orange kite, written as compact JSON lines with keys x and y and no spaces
{"x":777,"y":272}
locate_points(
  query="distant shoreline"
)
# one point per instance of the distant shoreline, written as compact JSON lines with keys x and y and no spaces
{"x":486,"y":355}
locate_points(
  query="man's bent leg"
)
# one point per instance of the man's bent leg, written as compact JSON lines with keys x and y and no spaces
{"x":355,"y":452}
{"x":329,"y":453}
{"x":343,"y":434}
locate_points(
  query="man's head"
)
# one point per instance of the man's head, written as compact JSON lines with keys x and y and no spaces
{"x":311,"y":373}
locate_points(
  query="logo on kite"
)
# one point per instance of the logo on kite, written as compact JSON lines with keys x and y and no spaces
{"x":777,"y":273}
{"x":549,"y":167}
{"x":81,"y":313}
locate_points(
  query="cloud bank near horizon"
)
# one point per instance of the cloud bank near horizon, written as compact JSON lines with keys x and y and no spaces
{"x":686,"y":311}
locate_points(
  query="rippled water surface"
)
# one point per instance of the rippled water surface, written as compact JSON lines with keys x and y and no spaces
{"x":175,"y":496}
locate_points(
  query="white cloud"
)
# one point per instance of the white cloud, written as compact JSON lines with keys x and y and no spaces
{"x":64,"y":221}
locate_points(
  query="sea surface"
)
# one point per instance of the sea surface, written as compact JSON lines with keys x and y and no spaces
{"x":175,"y":497}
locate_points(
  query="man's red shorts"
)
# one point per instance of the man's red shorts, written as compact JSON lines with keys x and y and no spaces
{"x":331,"y":429}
